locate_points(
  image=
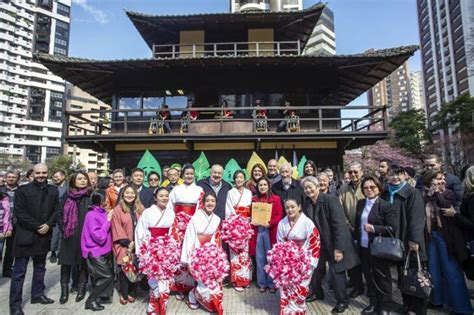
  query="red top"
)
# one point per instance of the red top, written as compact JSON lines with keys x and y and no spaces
{"x":262,"y":112}
{"x":277,"y":215}
{"x":157,"y":231}
{"x":164,"y":115}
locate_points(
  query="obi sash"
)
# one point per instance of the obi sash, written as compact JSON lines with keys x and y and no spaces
{"x":243,"y":211}
{"x":158,"y":231}
{"x":204,"y":238}
{"x":188,"y":208}
{"x":300,"y":243}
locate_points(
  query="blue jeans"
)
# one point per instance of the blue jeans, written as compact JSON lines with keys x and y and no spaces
{"x":448,"y":279}
{"x":18,"y":277}
{"x":263,"y":246}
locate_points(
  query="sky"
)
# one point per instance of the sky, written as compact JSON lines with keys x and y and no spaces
{"x":100,"y":29}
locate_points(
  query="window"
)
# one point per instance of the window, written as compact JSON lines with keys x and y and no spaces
{"x":130,"y":103}
{"x":60,"y":51}
{"x":63,"y":9}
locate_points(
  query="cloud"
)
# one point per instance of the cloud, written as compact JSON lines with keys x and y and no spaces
{"x":97,"y":14}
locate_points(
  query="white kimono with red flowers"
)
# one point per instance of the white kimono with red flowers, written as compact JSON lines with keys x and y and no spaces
{"x":155,"y":222}
{"x":305,"y":235}
{"x":183,"y":197}
{"x":201,"y":229}
{"x":240,"y":262}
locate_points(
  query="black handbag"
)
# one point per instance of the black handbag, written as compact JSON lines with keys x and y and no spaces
{"x":416,"y":281}
{"x":390,"y":248}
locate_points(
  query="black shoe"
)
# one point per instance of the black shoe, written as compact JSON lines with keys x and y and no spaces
{"x":53,"y":258}
{"x":94,"y":306}
{"x":17,"y":312}
{"x":81,"y":292}
{"x":315,"y":297}
{"x":64,"y":293}
{"x":355,"y":293}
{"x":339,"y":308}
{"x":73,"y":290}
{"x":42,"y":300}
{"x":371,"y":309}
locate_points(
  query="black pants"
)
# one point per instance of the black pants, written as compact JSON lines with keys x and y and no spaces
{"x":355,"y":278}
{"x":18,"y":278}
{"x":377,"y":271}
{"x":8,"y":258}
{"x":79,"y":274}
{"x":339,"y":278}
{"x":101,"y":270}
{"x":127,"y":288}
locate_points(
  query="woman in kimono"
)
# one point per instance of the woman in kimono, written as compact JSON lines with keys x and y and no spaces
{"x":156,"y":221}
{"x":124,"y":222}
{"x":203,"y":228}
{"x":182,"y":201}
{"x":299,"y":228}
{"x":239,"y":201}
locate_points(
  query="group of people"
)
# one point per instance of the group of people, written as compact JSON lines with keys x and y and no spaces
{"x":101,"y":225}
{"x":162,"y":122}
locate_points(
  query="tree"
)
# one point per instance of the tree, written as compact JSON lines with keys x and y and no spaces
{"x":60,"y":162}
{"x":371,"y":155}
{"x":12,"y":162}
{"x":456,"y":120}
{"x":409,"y":131}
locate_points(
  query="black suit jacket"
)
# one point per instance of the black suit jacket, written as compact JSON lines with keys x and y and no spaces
{"x":294,"y":192}
{"x":382,"y":216}
{"x":328,"y":216}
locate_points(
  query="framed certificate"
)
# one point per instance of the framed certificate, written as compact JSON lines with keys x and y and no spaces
{"x":261,"y":212}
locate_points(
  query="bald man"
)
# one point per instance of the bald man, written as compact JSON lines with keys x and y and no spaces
{"x":36,"y":207}
{"x":218,"y":186}
{"x":273,"y":175}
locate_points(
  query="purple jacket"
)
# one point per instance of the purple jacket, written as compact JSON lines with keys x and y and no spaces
{"x":5,"y":215}
{"x":96,"y":237}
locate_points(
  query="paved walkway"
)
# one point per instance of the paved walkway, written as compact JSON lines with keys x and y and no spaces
{"x":248,"y":302}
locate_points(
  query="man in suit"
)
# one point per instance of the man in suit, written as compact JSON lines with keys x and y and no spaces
{"x":36,"y":206}
{"x":145,"y":194}
{"x":218,"y":186}
{"x":288,"y":188}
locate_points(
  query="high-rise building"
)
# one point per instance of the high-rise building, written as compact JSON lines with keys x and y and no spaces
{"x":323,"y":39}
{"x":31,"y":97}
{"x":265,"y":5}
{"x":447,"y":51}
{"x":393,"y":91}
{"x":417,"y":90}
{"x":77,"y":99}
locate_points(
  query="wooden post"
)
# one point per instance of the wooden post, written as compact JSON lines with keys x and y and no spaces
{"x":125,"y":123}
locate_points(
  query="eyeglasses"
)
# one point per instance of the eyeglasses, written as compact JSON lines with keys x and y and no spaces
{"x":370,"y":187}
{"x":153,"y":180}
{"x":353,"y":172}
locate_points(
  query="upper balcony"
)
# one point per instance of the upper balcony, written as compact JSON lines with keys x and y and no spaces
{"x":228,"y":49}
{"x":353,"y":125}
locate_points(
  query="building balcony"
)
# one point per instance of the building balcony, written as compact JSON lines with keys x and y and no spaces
{"x":227,"y":49}
{"x":241,"y":124}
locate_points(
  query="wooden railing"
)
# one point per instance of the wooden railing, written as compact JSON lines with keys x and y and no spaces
{"x":312,"y":119}
{"x":234,"y":49}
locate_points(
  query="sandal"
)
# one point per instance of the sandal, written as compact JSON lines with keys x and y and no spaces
{"x":272,"y":291}
{"x":123,"y":301}
{"x":192,"y":306}
{"x":239,"y":289}
{"x":131,"y":299}
{"x":262,"y":290}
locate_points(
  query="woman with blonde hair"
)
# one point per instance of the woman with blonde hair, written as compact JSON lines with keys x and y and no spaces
{"x":124,"y":222}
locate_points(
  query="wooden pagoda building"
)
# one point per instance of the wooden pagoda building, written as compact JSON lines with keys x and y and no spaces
{"x":238,"y":58}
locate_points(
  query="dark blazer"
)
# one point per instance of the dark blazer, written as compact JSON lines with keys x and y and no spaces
{"x":295,"y":191}
{"x":328,"y":216}
{"x":70,"y":253}
{"x":221,"y":196}
{"x":35,"y":204}
{"x":410,"y":211}
{"x":465,"y":218}
{"x":382,"y":216}
{"x":146,"y":197}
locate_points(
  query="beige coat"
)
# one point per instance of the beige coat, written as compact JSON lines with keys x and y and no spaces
{"x":349,"y":195}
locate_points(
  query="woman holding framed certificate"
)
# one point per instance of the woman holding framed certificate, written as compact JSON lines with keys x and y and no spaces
{"x":266,"y":214}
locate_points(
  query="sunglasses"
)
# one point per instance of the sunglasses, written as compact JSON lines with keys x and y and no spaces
{"x":370,"y":187}
{"x":153,"y":180}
